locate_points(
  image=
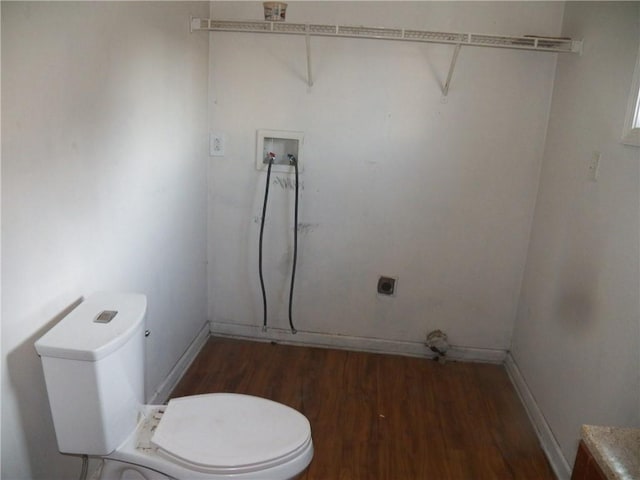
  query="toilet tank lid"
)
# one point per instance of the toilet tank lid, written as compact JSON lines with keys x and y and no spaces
{"x":90,"y":332}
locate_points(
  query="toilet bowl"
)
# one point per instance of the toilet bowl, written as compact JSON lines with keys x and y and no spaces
{"x":92,"y":360}
{"x":214,"y":436}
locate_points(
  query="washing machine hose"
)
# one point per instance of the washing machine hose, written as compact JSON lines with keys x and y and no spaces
{"x":293,"y":162}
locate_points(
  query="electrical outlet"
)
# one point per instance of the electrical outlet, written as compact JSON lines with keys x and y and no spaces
{"x":387,"y":286}
{"x":216,"y":144}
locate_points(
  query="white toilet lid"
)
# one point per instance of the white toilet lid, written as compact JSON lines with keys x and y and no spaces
{"x":230,"y":433}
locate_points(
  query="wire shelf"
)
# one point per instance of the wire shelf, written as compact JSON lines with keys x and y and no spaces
{"x":545,"y":44}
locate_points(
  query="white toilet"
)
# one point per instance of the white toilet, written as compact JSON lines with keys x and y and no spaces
{"x":93,"y":363}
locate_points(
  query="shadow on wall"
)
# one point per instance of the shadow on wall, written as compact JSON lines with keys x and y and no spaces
{"x":579,"y":273}
{"x":35,"y":421}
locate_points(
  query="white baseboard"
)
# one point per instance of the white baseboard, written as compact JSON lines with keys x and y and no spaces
{"x":347,"y":342}
{"x":549,"y":444}
{"x":164,"y":390}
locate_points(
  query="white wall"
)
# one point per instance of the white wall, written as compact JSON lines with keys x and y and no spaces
{"x":1,"y":361}
{"x":103,"y":187}
{"x":576,"y":340}
{"x":396,"y":182}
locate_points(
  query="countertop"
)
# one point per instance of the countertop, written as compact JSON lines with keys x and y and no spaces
{"x":616,"y":449}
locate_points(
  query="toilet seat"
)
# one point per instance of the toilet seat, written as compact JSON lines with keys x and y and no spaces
{"x":224,"y":433}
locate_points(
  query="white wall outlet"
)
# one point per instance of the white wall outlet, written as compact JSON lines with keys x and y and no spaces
{"x":594,"y":166}
{"x":217,"y":142}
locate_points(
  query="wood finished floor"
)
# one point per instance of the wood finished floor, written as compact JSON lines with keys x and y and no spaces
{"x":381,"y":416}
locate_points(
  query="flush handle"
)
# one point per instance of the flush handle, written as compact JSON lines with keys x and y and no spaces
{"x":105,"y":316}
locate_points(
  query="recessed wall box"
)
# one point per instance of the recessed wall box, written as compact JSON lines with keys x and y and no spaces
{"x":283,"y":146}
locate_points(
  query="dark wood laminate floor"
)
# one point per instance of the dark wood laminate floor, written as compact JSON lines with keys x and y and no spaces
{"x":381,"y":416}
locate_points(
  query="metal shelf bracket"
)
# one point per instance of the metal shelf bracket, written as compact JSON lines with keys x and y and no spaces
{"x":307,"y":39}
{"x":445,"y":89}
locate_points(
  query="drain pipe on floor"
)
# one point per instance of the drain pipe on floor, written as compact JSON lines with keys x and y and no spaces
{"x":437,"y":343}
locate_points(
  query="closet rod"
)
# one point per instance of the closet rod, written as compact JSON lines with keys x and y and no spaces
{"x":536,"y":43}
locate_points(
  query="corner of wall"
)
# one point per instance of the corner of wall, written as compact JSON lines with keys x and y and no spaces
{"x":548,"y":441}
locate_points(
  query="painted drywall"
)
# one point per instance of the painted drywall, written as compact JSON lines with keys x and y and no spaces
{"x":576,"y":339}
{"x":104,"y":152}
{"x":398,"y":181}
{"x":1,"y":360}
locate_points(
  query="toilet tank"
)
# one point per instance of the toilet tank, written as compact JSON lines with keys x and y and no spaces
{"x":93,"y":362}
